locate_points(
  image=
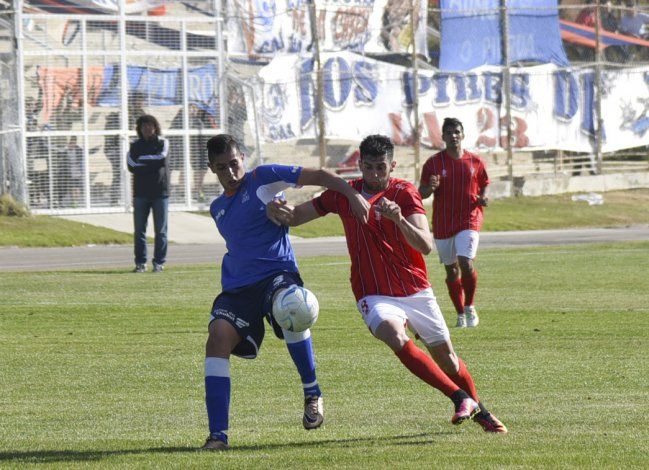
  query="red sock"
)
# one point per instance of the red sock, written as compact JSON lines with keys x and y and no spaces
{"x":456,"y":294}
{"x":464,"y":380}
{"x":420,"y":364}
{"x":469,"y":284}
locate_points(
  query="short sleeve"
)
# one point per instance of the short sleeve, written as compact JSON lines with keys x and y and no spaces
{"x":326,"y":203}
{"x":410,"y":201}
{"x":271,"y":173}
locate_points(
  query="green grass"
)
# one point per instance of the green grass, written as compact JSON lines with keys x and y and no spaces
{"x":44,"y":231}
{"x":525,"y":213}
{"x":104,"y":369}
{"x":533,"y":213}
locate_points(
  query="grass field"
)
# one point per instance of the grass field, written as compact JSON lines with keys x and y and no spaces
{"x":525,"y":213}
{"x":534,"y":213}
{"x":96,"y":373}
{"x":44,"y":231}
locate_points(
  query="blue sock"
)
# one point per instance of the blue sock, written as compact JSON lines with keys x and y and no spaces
{"x":217,"y":396}
{"x":301,"y":349}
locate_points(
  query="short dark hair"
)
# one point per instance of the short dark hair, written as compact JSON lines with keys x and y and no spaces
{"x":219,"y":144}
{"x":147,"y":119}
{"x":377,"y":145}
{"x":452,"y":122}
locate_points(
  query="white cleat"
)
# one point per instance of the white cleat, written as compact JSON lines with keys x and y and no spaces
{"x":472,"y":319}
{"x":461,"y":321}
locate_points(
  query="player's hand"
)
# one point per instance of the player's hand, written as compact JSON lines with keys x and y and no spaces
{"x":434,"y":182}
{"x":482,"y":200}
{"x":279,"y":212}
{"x":360,"y":208}
{"x":389,"y":209}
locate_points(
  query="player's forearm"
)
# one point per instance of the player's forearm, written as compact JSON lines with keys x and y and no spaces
{"x":326,"y":179}
{"x":425,"y":191}
{"x":417,"y":237}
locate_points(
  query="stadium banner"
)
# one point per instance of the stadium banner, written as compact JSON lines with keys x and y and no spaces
{"x":262,"y":28}
{"x":159,"y":87}
{"x":162,"y":87}
{"x":552,"y":108}
{"x":472,"y":33}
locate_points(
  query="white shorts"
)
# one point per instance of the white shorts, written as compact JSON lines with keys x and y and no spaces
{"x":463,"y":244}
{"x":419,"y":310}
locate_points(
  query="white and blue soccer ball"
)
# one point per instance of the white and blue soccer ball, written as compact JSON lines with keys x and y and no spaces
{"x":295,"y":308}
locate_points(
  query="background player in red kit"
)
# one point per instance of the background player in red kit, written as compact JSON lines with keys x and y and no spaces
{"x":459,"y":180}
{"x":389,"y":276}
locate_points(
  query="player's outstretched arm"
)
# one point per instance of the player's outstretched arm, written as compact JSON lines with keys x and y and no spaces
{"x":414,"y":227}
{"x":313,"y":177}
{"x":285,"y":214}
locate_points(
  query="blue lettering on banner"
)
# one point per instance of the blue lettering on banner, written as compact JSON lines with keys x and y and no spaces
{"x":366,"y":88}
{"x":520,"y":90}
{"x":341,"y":79}
{"x":307,"y":93}
{"x":588,"y":114}
{"x":493,"y":87}
{"x":566,"y":95}
{"x":466,"y":88}
{"x":337,"y":82}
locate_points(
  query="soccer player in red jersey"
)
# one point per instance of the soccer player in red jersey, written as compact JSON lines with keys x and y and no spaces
{"x":458,"y":179}
{"x":389,"y":276}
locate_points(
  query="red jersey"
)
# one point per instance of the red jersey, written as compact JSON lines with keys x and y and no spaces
{"x":455,"y":201}
{"x":383,"y":262}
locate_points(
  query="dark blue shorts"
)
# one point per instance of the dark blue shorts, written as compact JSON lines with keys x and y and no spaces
{"x":245,"y":308}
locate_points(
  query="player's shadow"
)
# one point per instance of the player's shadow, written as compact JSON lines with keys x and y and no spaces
{"x":55,"y":456}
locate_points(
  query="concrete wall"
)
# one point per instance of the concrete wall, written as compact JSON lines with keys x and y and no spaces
{"x":558,"y":184}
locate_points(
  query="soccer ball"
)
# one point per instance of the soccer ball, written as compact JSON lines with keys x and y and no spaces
{"x":295,"y":308}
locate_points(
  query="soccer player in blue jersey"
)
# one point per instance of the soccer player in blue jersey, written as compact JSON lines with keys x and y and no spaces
{"x":258,"y":264}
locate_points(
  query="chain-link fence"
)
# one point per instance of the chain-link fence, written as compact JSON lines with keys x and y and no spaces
{"x":88,"y":77}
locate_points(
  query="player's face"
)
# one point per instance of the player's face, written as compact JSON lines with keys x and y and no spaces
{"x":376,"y":172}
{"x":229,"y":169}
{"x":452,"y":137}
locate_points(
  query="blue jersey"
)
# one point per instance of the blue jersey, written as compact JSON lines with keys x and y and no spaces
{"x":257,"y":248}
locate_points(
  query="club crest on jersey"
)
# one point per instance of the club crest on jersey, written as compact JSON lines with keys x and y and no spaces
{"x":219,"y":215}
{"x":294,"y":169}
{"x":444,"y":173}
{"x":472,"y":170}
{"x":245,"y":197}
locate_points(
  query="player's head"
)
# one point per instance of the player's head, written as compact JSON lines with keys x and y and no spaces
{"x":452,"y":133}
{"x":226,"y":161}
{"x":376,"y":162}
{"x":147,"y":126}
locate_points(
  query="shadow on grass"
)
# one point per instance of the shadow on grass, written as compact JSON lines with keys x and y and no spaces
{"x":50,"y":456}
